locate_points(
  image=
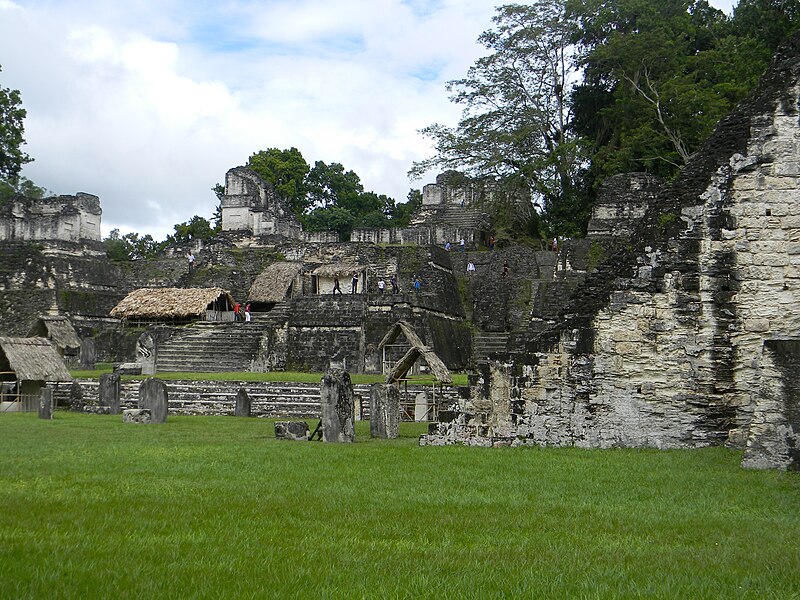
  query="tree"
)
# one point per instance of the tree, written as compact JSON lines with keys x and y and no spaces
{"x":401,"y":214}
{"x":12,"y":130}
{"x":330,"y":218}
{"x":286,"y":170}
{"x":24,"y":187}
{"x":515,"y":123}
{"x":768,"y":21}
{"x":197,"y":228}
{"x":658,"y":75}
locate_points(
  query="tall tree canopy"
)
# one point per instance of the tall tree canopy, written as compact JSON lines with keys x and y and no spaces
{"x":574,"y":91}
{"x":657,"y":77}
{"x":326,"y":196}
{"x":286,"y":170}
{"x":12,"y":130}
{"x":515,"y":122}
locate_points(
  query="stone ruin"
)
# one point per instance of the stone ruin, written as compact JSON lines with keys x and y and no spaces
{"x":59,"y":218}
{"x":251,"y":206}
{"x":688,"y":335}
{"x":673,"y":324}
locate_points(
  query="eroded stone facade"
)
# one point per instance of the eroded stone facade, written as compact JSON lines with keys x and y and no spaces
{"x":663,"y":346}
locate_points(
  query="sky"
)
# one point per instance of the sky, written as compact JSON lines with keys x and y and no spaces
{"x":148,"y":103}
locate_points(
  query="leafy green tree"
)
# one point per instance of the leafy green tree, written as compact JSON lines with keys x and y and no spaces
{"x":24,"y":187}
{"x":131,"y":246}
{"x":331,"y":185}
{"x":117,"y":248}
{"x":330,"y":218}
{"x":401,"y":214}
{"x":197,"y":228}
{"x":515,"y":123}
{"x":658,"y":75}
{"x":12,"y":130}
{"x":769,"y":22}
{"x":286,"y":170}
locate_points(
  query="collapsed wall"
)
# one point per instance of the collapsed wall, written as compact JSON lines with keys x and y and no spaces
{"x":663,"y":346}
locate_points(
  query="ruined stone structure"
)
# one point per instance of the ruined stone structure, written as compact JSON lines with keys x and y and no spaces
{"x":686,"y":335}
{"x":451,"y":211}
{"x":252,"y":205}
{"x":60,"y":218}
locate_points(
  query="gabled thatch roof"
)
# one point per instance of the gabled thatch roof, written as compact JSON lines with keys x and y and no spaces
{"x":272,"y":283}
{"x":338,"y":270}
{"x":417,"y":349}
{"x":32,"y":359}
{"x":169,"y":303}
{"x":58,"y":329}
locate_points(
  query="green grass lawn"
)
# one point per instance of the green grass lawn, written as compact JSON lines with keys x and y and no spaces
{"x":215,"y":507}
{"x":290,"y":376}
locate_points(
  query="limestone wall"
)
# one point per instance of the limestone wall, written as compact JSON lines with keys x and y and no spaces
{"x":253,"y":205}
{"x":664,"y":345}
{"x":60,"y":218}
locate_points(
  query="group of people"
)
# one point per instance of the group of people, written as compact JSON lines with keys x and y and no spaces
{"x":462,"y":245}
{"x":471,"y":268}
{"x":354,"y":285}
{"x":242,"y":313}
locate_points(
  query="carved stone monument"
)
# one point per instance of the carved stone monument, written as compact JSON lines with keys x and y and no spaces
{"x":88,"y":354}
{"x":243,"y":404}
{"x":146,"y":353}
{"x":76,"y":397}
{"x":384,"y":411}
{"x":46,"y":403}
{"x":153,"y":396}
{"x":109,"y":392}
{"x":338,"y":408}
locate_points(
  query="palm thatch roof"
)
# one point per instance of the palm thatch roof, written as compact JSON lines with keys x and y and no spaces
{"x":418,"y":349}
{"x":170,"y":303}
{"x":338,"y":269}
{"x":32,"y":359}
{"x":273,"y":282}
{"x":58,"y":329}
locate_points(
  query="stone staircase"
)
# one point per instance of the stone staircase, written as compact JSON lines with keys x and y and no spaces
{"x":453,"y":215}
{"x":212,"y":347}
{"x":485,"y":343}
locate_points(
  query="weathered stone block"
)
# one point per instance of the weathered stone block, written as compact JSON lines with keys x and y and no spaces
{"x":76,"y":397}
{"x":338,"y":408}
{"x":136,"y":415}
{"x":46,"y":403}
{"x":384,"y":411}
{"x":153,"y":396}
{"x":108,"y":392}
{"x":292,"y":430}
{"x":243,"y":404}
{"x":88,"y":355}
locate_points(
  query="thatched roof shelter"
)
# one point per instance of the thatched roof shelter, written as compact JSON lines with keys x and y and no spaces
{"x":338,"y":270}
{"x":417,"y":350}
{"x":32,"y":359}
{"x":59,"y":330}
{"x":272,"y":283}
{"x":172,"y":303}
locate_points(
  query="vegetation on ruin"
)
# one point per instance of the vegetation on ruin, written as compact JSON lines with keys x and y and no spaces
{"x":572,"y":92}
{"x":216,"y":507}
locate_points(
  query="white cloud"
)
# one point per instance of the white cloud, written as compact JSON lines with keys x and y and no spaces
{"x":147,"y":104}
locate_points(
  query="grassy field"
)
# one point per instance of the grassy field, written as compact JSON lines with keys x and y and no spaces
{"x":215,"y":507}
{"x":291,"y":376}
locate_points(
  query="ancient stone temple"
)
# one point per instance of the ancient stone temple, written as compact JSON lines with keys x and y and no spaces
{"x":684,"y":336}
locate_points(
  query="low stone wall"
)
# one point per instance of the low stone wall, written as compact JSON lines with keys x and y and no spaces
{"x":268,"y":399}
